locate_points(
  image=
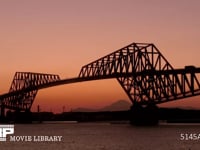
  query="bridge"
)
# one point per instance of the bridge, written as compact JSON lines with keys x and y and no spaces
{"x":140,"y":68}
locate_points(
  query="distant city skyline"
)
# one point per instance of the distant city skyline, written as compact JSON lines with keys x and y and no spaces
{"x":59,"y":37}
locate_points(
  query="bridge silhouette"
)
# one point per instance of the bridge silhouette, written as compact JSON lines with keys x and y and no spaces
{"x":142,"y":71}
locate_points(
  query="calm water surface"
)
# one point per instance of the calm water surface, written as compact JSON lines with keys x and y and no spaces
{"x":105,"y":136}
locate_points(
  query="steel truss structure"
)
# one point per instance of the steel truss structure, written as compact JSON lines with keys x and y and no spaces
{"x":142,"y":71}
{"x":24,"y":89}
{"x":145,"y":74}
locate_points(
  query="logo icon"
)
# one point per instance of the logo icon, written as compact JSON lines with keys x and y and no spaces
{"x":5,"y":130}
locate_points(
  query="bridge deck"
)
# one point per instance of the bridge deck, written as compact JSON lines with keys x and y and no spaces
{"x":142,"y":71}
{"x":116,"y":75}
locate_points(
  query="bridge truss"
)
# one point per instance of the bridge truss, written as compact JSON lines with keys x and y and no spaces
{"x":24,"y":88}
{"x":145,"y":74}
{"x":142,"y":71}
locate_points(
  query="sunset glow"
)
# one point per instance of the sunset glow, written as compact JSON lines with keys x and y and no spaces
{"x":60,"y":36}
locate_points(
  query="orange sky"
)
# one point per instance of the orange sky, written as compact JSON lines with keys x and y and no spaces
{"x":60,"y":36}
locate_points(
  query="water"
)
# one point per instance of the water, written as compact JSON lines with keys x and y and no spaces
{"x":105,"y":136}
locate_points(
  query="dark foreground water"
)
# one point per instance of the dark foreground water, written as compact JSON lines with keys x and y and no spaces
{"x":106,"y":136}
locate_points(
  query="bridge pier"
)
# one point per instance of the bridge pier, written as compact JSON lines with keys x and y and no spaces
{"x":23,"y":117}
{"x":2,"y":115}
{"x":144,"y":116}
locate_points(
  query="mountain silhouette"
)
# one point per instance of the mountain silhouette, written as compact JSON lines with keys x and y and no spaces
{"x":119,"y":105}
{"x":82,"y":109}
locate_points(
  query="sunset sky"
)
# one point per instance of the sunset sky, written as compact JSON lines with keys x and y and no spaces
{"x":60,"y":36}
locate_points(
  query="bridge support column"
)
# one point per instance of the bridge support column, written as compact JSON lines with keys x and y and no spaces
{"x":144,"y":115}
{"x":23,"y":117}
{"x":2,"y":115}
